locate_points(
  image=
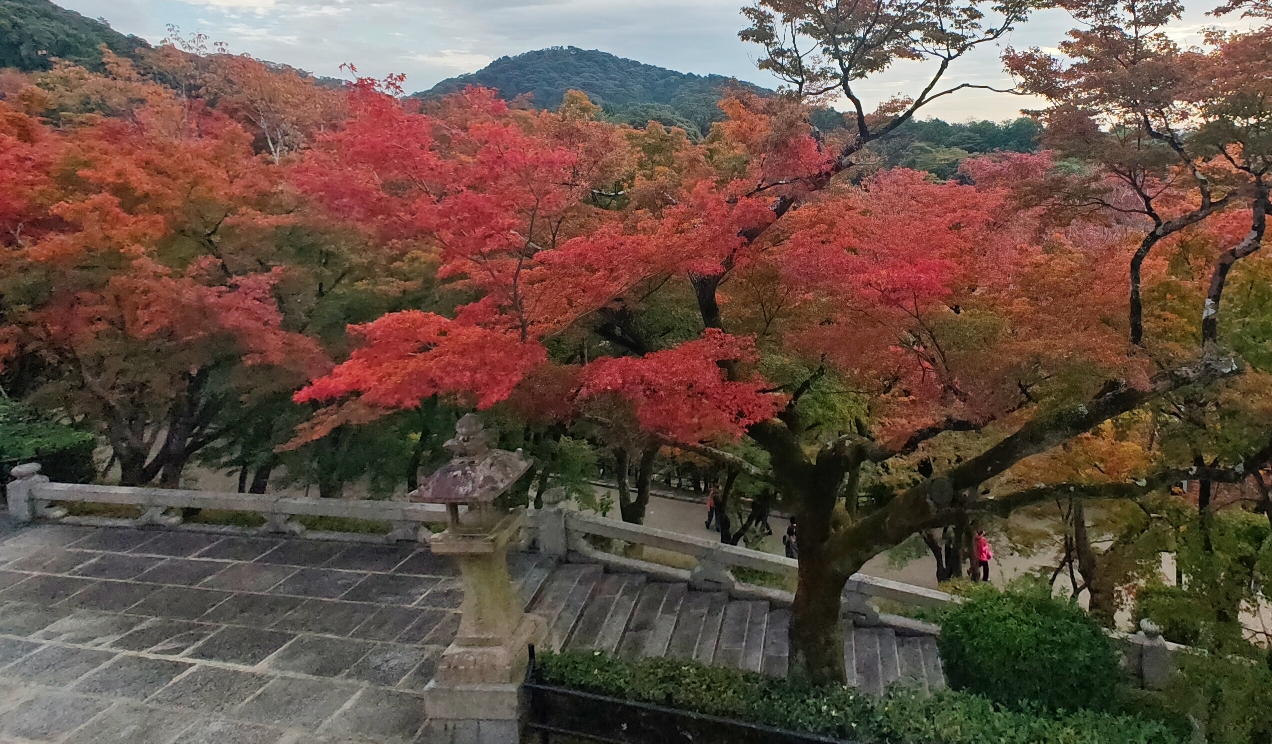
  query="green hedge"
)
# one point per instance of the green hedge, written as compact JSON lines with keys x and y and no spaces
{"x":1029,"y":650}
{"x":902,"y":717}
{"x":65,"y":453}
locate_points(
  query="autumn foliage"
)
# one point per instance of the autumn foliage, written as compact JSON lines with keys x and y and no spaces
{"x":205,"y":256}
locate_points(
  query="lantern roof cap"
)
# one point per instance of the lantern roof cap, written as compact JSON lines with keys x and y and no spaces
{"x":477,"y":473}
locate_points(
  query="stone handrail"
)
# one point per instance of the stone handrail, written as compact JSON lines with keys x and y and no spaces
{"x":30,"y":496}
{"x":564,"y":532}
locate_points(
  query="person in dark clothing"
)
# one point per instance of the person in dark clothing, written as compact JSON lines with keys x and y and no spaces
{"x":790,"y":543}
{"x":711,"y":509}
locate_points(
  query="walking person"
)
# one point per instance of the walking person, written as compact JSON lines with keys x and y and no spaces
{"x":984,"y":554}
{"x":711,"y":509}
{"x":789,"y":542}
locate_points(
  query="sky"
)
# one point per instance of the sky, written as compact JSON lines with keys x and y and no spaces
{"x":430,"y":40}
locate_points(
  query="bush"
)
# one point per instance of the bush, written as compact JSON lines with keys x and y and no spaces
{"x":903,"y":717}
{"x":1231,"y":696}
{"x":65,"y":453}
{"x":1029,"y":650}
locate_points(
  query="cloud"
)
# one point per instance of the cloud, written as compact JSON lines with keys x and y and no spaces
{"x":452,"y":59}
{"x":247,"y":4}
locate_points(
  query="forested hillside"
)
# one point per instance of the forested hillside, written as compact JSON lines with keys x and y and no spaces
{"x":631,"y":92}
{"x":628,"y":91}
{"x":32,"y":32}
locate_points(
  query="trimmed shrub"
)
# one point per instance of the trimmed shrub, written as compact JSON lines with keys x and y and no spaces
{"x":65,"y":453}
{"x":1027,"y":651}
{"x":904,"y":716}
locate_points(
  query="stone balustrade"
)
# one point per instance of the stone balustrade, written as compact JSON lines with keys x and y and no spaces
{"x":31,"y":495}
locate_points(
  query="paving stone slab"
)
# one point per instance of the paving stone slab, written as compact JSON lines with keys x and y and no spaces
{"x":327,"y":616}
{"x":47,"y":716}
{"x":445,"y":631}
{"x":43,"y":589}
{"x":134,"y":677}
{"x":51,"y":535}
{"x":130,"y":723}
{"x":180,"y":603}
{"x":117,"y":566}
{"x":9,"y":578}
{"x":56,"y":666}
{"x":178,"y":544}
{"x":391,"y":589}
{"x":388,"y":664}
{"x":256,"y":610}
{"x":24,"y":618}
{"x":239,"y":548}
{"x":425,"y":563}
{"x":295,"y":702}
{"x":302,"y":553}
{"x":164,"y":636}
{"x":115,"y":540}
{"x":229,"y":732}
{"x":387,"y":623}
{"x":427,"y":623}
{"x":11,"y":649}
{"x":319,"y":656}
{"x":389,"y":717}
{"x":109,"y":596}
{"x":181,"y":572}
{"x":419,"y":677}
{"x":370,"y":557}
{"x":247,"y":577}
{"x":449,"y":599}
{"x":319,"y":583}
{"x":246,"y":646}
{"x":51,"y":560}
{"x":210,"y":689}
{"x":90,"y":628}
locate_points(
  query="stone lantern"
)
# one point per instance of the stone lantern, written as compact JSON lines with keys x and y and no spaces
{"x":477,"y":682}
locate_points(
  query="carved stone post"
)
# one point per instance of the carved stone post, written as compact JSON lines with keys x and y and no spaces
{"x":475,"y":692}
{"x":23,"y":506}
{"x":1156,"y":664}
{"x":553,"y":539}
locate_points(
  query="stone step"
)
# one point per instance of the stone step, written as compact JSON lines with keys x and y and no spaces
{"x":910,"y":655}
{"x":850,"y":655}
{"x":776,"y":643}
{"x":620,"y":614}
{"x":876,"y":659}
{"x":711,"y":624}
{"x":665,"y":623}
{"x":640,"y":637}
{"x":561,"y":602}
{"x":933,"y":668}
{"x":734,"y":627}
{"x":534,"y":580}
{"x":889,"y":659}
{"x":599,"y":605}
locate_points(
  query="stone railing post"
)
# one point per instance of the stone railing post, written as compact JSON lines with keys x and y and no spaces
{"x":1156,"y":662}
{"x":550,"y":523}
{"x":23,"y":506}
{"x":712,"y":574}
{"x":856,"y":602}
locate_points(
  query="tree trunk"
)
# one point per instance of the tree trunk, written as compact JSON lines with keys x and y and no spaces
{"x":1248,"y":245}
{"x":633,"y":511}
{"x":1101,"y":591}
{"x":816,"y":635}
{"x":933,"y":545}
{"x":260,"y":478}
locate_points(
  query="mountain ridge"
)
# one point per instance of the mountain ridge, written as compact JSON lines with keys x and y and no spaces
{"x":628,"y":91}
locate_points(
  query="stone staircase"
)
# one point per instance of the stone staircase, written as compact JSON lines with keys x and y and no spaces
{"x":630,"y":615}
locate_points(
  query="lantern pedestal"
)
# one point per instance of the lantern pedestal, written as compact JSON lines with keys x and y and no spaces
{"x":478,"y":679}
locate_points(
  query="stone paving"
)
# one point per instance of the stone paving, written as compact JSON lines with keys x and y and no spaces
{"x":150,"y":636}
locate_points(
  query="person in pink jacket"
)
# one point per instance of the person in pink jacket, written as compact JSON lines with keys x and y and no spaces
{"x":984,"y":554}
